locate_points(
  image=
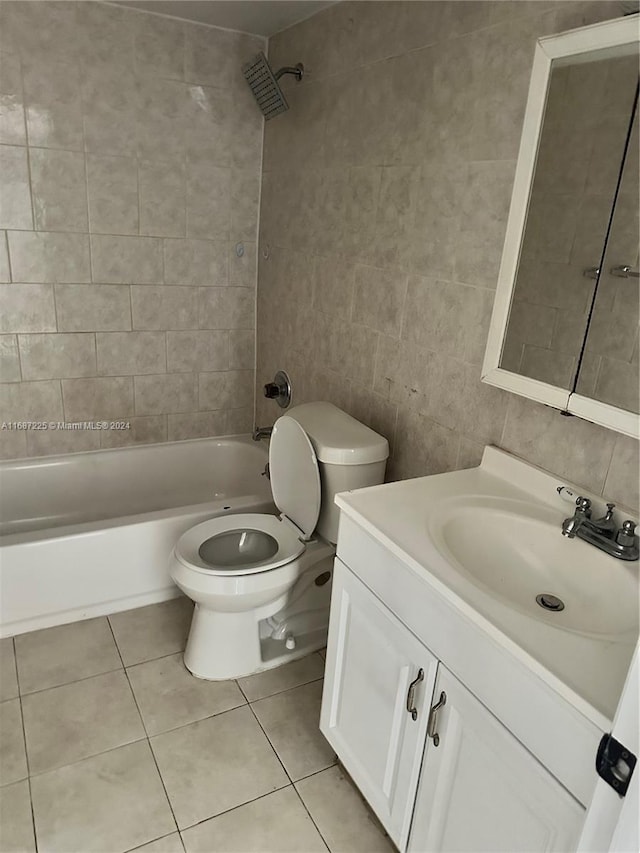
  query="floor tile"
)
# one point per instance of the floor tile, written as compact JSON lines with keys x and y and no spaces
{"x":278,"y":821}
{"x":169,"y":844}
{"x":216,"y":764}
{"x":341,"y":815}
{"x":66,"y":653}
{"x":16,"y":822}
{"x":109,"y":803}
{"x":13,"y":761}
{"x":66,"y":724}
{"x":153,"y":631}
{"x":8,"y":680}
{"x":291,"y":721}
{"x":282,"y":678}
{"x":169,"y":696}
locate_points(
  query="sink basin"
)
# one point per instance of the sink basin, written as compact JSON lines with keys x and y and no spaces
{"x":514,"y":550}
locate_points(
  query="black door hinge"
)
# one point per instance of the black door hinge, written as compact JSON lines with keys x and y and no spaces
{"x":615,"y":764}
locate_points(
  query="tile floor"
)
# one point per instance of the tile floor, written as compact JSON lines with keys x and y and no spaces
{"x":108,"y":744}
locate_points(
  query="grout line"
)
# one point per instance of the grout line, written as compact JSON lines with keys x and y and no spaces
{"x":257,"y":269}
{"x":293,"y":782}
{"x":505,"y":422}
{"x":55,"y":769}
{"x":27,"y":147}
{"x":139,"y":211}
{"x":153,"y":840}
{"x":288,"y":689}
{"x":6,"y":246}
{"x":198,"y":720}
{"x":275,"y":752}
{"x":130,"y":292}
{"x":237,"y":681}
{"x":235,"y":808}
{"x":606,"y":474}
{"x":336,"y":763}
{"x":144,"y":728}
{"x":85,"y":166}
{"x":24,"y":741}
{"x":311,"y":818}
{"x":16,"y":335}
{"x":284,"y":689}
{"x":66,"y":683}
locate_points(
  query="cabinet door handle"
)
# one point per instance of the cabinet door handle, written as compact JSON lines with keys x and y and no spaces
{"x":432,"y":722}
{"x":411,"y":708}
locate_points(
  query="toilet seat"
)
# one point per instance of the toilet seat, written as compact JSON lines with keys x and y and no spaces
{"x":224,"y":557}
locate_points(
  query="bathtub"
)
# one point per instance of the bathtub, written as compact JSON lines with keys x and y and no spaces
{"x":86,"y":534}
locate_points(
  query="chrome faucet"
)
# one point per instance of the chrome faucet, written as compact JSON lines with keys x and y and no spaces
{"x":262,"y":432}
{"x":602,"y":532}
{"x":570,"y":526}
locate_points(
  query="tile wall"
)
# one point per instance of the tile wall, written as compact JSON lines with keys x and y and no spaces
{"x":385,"y":194}
{"x":130,"y":154}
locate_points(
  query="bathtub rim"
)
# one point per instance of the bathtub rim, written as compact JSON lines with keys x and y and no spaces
{"x":240,"y":438}
{"x":11,"y":467}
{"x":71,"y":531}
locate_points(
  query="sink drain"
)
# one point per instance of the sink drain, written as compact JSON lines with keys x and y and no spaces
{"x":550,"y":602}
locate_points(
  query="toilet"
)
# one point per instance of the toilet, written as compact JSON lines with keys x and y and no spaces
{"x":261,"y":583}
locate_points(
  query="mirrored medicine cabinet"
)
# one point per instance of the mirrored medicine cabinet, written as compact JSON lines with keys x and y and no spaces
{"x":564,"y":329}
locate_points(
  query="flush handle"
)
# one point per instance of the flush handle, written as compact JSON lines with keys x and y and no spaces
{"x":411,"y":707}
{"x":433,"y":719}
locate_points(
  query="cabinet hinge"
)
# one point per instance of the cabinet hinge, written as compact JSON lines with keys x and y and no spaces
{"x":615,"y":764}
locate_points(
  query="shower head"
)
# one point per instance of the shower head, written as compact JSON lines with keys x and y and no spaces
{"x":264,"y":84}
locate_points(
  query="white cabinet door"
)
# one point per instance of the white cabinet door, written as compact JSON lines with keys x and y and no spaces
{"x":372,"y":661}
{"x":481,"y":790}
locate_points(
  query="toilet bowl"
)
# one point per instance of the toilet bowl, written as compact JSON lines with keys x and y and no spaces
{"x":260,"y":582}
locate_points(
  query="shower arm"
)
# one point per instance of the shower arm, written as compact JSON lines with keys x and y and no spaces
{"x":296,"y":70}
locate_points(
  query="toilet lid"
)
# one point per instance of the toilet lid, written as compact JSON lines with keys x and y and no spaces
{"x":295,"y":478}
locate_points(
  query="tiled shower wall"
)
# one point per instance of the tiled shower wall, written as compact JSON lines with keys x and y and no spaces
{"x":385,"y":194}
{"x":130,"y":167}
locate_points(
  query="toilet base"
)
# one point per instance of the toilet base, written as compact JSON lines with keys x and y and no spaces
{"x":209,"y":631}
{"x":222,"y":645}
{"x":225,"y":645}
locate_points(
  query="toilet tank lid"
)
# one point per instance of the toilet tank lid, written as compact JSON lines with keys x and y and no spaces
{"x":337,"y":438}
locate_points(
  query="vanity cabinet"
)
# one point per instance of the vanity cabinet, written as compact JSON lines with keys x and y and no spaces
{"x":373,"y":662}
{"x":481,"y":790}
{"x":477,"y":790}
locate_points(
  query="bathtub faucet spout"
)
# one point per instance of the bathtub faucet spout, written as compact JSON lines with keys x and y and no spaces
{"x":262,"y":432}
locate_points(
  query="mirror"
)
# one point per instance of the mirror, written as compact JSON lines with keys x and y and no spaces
{"x":609,"y":367}
{"x":565,"y":325}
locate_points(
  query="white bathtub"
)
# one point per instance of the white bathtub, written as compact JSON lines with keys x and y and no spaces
{"x":90,"y":533}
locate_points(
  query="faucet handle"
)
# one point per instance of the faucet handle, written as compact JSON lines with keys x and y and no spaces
{"x":583,"y":505}
{"x":609,"y":513}
{"x":626,"y":535}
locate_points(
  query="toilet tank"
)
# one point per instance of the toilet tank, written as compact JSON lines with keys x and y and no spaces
{"x":350,"y":456}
